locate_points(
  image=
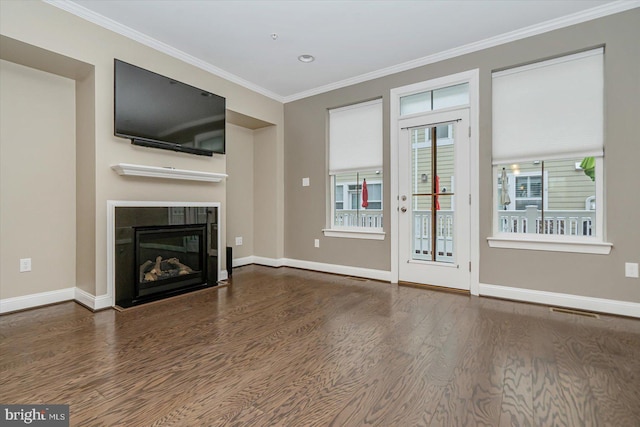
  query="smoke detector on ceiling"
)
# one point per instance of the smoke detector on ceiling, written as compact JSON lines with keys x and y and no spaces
{"x":306,"y":58}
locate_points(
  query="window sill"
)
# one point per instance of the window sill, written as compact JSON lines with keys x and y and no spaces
{"x":354,"y":234}
{"x":551,"y":245}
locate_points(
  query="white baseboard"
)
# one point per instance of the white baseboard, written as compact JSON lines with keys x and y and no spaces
{"x":102,"y":302}
{"x":239,"y":262}
{"x":85,"y":298}
{"x":339,"y":269}
{"x":93,"y":302}
{"x":601,"y":305}
{"x":270,"y":262}
{"x":317,"y":266}
{"x":223,"y":275}
{"x":28,"y":301}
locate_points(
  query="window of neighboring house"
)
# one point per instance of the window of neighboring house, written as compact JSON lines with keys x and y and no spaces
{"x":355,"y":158}
{"x":339,"y":197}
{"x":548,"y":120}
{"x":355,"y":195}
{"x":527,"y":191}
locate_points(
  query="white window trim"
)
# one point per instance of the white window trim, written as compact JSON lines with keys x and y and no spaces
{"x":355,"y":233}
{"x":554,"y":243}
{"x":585,"y":245}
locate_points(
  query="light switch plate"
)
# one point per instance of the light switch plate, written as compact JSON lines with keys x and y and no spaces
{"x":316,"y":243}
{"x":631,"y":270}
{"x":238,"y":241}
{"x":305,"y":182}
{"x":25,"y":265}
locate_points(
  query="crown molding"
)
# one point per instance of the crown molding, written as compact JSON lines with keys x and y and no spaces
{"x":135,"y":35}
{"x":554,"y":24}
{"x":543,"y":27}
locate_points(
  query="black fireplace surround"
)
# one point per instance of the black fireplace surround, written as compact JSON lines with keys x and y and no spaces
{"x":164,"y":251}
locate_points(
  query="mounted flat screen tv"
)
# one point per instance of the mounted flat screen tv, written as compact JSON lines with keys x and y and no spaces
{"x":156,"y":111}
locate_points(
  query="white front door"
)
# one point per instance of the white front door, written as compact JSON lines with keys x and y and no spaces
{"x":434,"y":193}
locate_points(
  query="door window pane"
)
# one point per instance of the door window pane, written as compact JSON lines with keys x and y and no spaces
{"x":432,"y":213}
{"x":444,"y":230}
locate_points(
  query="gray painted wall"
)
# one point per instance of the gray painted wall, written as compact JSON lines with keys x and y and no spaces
{"x":37,"y":180}
{"x":580,"y":274}
{"x":240,"y":208}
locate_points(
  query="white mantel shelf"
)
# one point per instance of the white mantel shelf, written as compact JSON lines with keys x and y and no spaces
{"x":128,"y":169}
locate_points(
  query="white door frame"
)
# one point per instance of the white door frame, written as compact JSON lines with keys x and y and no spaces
{"x":472,"y":77}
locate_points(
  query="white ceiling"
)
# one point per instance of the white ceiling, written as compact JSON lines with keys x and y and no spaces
{"x":352,"y":41}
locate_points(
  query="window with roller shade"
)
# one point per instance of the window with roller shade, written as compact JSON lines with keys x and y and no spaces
{"x":355,"y":163}
{"x":548,"y":148}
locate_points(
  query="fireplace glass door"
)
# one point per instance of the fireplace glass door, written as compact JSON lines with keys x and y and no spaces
{"x":169,"y":258}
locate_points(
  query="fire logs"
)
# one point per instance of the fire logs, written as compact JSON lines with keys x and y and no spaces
{"x":163,"y":269}
{"x":183,"y":268}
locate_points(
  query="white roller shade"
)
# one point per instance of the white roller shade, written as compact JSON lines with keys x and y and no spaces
{"x":355,"y":137}
{"x":549,"y":110}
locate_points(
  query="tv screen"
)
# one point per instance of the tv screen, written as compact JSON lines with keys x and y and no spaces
{"x":156,"y":111}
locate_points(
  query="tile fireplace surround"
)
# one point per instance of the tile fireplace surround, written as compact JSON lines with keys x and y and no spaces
{"x":126,"y":220}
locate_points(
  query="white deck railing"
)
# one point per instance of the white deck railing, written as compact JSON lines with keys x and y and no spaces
{"x":571,"y":223}
{"x":530,"y":220}
{"x":371,"y":218}
{"x":422,"y":233}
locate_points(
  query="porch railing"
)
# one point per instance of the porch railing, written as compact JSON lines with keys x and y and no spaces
{"x":422,"y":233}
{"x":560,"y":222}
{"x":371,"y":218}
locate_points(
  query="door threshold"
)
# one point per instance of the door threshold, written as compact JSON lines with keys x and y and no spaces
{"x":434,"y":288}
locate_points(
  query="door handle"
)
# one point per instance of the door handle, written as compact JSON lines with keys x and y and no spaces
{"x":403,"y":209}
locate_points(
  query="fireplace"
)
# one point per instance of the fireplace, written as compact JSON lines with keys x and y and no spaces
{"x":169,"y":258}
{"x":164,"y":251}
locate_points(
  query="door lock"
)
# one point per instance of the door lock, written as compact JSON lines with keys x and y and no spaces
{"x":403,"y":209}
{"x":403,"y":198}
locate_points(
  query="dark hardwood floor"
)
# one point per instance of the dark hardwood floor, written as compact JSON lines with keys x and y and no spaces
{"x":286,"y":347}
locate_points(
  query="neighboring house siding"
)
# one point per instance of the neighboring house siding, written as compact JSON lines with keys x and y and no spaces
{"x":445,"y":172}
{"x":568,"y":188}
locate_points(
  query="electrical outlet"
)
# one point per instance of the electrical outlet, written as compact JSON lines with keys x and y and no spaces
{"x":305,"y":182}
{"x":631,"y":270}
{"x":316,"y":243}
{"x":238,"y":241}
{"x":25,"y":265}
